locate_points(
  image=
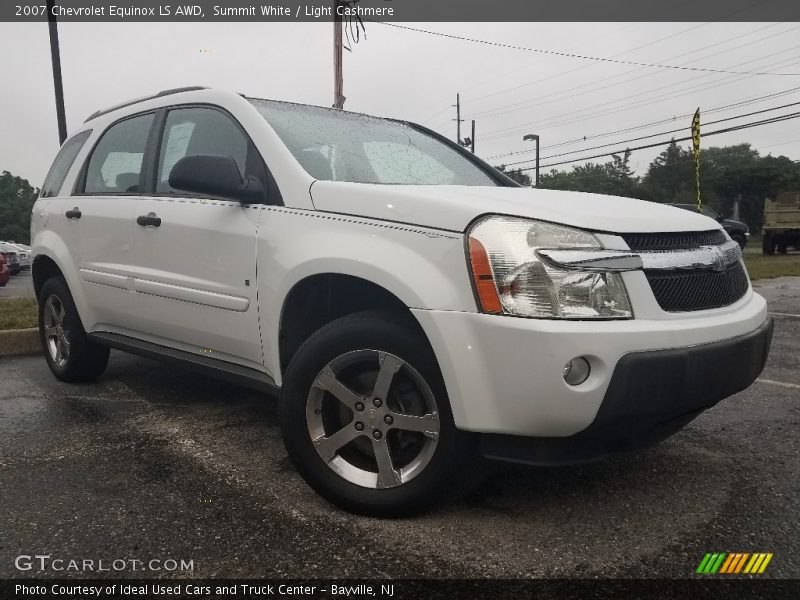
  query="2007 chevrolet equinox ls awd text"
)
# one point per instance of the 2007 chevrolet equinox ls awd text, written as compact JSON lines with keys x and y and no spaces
{"x":412,"y":306}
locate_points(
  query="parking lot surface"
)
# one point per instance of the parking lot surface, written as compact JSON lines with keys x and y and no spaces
{"x":157,"y":462}
{"x":18,"y":286}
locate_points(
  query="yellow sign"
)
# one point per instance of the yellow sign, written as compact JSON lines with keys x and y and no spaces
{"x":696,"y":148}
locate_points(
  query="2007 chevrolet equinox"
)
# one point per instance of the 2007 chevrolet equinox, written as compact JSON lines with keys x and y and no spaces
{"x":411,"y":305}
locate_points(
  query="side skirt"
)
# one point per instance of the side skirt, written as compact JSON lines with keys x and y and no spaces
{"x":220,"y":369}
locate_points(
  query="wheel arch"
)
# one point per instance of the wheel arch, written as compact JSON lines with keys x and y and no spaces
{"x":43,"y":268}
{"x":319,"y":299}
{"x":47,"y":261}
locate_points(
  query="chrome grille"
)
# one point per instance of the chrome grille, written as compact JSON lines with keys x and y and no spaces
{"x":664,"y":242}
{"x":686,"y":290}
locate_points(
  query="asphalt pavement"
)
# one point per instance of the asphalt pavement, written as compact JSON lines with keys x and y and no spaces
{"x":18,"y":286}
{"x":155,"y":462}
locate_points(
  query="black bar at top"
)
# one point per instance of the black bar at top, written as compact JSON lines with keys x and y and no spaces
{"x":143,"y":11}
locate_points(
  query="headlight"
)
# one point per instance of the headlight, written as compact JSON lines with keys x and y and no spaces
{"x":512,"y":278}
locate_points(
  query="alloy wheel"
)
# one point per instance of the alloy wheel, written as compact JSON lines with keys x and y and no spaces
{"x":372,"y":419}
{"x":56,"y":335}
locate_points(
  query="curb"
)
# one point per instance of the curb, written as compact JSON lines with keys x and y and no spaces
{"x":17,"y":342}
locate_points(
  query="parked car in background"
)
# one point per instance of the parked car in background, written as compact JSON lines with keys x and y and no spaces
{"x":738,"y":231}
{"x":411,"y":305}
{"x":4,"y":273}
{"x":12,"y":258}
{"x":781,"y":223}
{"x":23,"y":253}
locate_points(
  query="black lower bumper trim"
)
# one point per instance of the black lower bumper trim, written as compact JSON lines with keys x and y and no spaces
{"x":651,"y":395}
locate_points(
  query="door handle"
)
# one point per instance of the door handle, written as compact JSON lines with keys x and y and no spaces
{"x":150,"y":219}
{"x":75,"y":213}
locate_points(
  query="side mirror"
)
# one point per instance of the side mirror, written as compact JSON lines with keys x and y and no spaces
{"x":215,"y":176}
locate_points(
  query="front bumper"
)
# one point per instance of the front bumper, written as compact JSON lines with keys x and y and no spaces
{"x":651,"y":396}
{"x":504,"y":374}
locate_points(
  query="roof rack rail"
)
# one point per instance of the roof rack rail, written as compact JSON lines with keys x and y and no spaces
{"x":192,"y":88}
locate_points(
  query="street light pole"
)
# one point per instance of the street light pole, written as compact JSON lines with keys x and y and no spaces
{"x":533,"y":136}
{"x":58,"y":85}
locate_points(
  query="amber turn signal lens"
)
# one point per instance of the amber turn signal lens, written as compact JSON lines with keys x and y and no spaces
{"x":483,"y":278}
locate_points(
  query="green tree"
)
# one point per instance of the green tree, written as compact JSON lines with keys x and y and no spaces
{"x":727,"y":174}
{"x":614,"y":177}
{"x":518,"y":175}
{"x":16,"y":200}
{"x":670,"y":177}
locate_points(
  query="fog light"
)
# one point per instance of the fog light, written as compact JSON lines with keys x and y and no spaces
{"x":577,"y":371}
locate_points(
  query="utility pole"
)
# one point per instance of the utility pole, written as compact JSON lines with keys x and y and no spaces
{"x":58,"y":85}
{"x":338,"y":76}
{"x":534,"y":137}
{"x":458,"y":119}
{"x":470,"y":141}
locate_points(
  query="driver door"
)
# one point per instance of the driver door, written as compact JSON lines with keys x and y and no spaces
{"x":196,"y":256}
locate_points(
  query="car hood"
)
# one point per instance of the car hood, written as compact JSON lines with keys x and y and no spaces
{"x":454,"y":207}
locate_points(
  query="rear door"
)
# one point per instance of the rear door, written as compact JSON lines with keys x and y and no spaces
{"x":100,"y":223}
{"x":196,"y":256}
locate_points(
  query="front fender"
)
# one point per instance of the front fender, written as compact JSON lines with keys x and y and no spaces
{"x":424,"y":269}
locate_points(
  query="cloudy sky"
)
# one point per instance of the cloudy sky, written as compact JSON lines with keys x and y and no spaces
{"x":412,"y":75}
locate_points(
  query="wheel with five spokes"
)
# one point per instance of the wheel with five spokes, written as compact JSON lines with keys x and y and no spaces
{"x":366,"y":419}
{"x":70,"y":355}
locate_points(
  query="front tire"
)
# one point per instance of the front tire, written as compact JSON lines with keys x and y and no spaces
{"x":366,"y":419}
{"x":71,"y":356}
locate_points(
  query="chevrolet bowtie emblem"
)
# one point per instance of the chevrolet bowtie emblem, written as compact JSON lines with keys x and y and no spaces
{"x":719,"y":260}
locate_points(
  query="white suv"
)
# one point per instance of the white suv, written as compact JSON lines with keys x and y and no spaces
{"x":411,"y":305}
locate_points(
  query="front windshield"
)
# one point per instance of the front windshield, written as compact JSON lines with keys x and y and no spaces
{"x":334,"y":145}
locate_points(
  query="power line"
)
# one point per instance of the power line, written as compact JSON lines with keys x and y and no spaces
{"x":777,"y":119}
{"x":628,"y":51}
{"x":655,"y":95}
{"x":672,"y":119}
{"x":562,"y":73}
{"x":493,"y":112}
{"x":554,"y":122}
{"x":582,"y":56}
{"x":568,"y":93}
{"x":652,"y":135}
{"x":784,"y":143}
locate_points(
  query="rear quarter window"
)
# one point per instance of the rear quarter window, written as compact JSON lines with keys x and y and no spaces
{"x":62,"y":164}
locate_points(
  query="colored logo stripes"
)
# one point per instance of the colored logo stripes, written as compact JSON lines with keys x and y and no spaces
{"x":734,"y":562}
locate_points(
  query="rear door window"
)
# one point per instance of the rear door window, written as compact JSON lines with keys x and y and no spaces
{"x":117,"y":161}
{"x":62,"y":164}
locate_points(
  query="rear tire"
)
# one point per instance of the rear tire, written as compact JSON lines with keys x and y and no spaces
{"x":768,"y":244}
{"x":368,"y":390}
{"x":69,"y":353}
